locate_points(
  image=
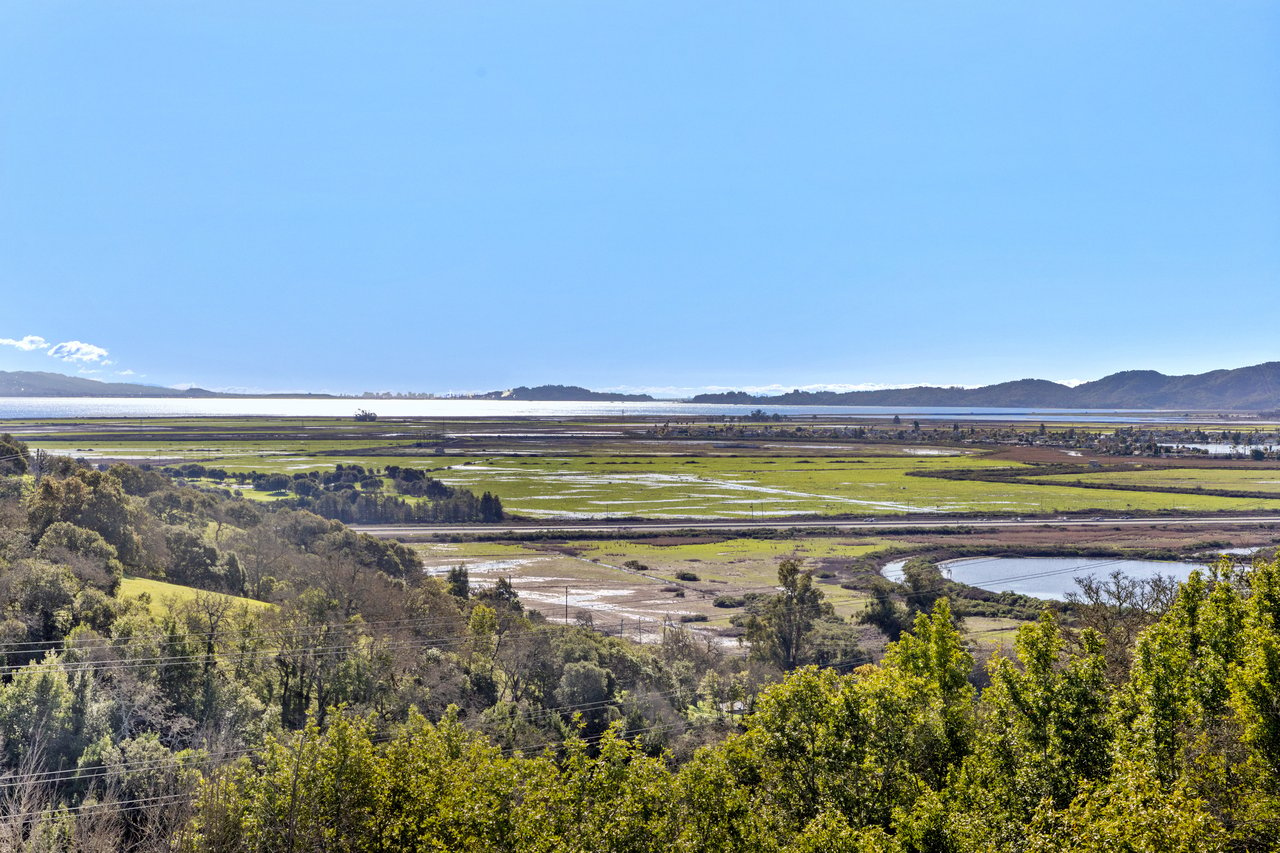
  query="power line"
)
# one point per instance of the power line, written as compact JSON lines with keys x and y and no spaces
{"x":545,"y":713}
{"x":534,"y":715}
{"x":332,"y":650}
{"x":174,"y":799}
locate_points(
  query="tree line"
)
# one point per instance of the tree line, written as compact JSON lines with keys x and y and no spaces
{"x":353,"y":494}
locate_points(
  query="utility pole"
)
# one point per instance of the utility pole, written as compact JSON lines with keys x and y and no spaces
{"x":566,"y":605}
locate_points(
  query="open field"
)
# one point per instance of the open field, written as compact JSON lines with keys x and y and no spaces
{"x":667,"y":487}
{"x":645,"y":468}
{"x":164,"y":595}
{"x":642,"y":467}
{"x":594,"y":577}
{"x":747,"y":487}
{"x":1234,"y":479}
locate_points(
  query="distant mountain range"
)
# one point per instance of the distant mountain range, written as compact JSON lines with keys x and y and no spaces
{"x":1255,"y":388}
{"x":1242,"y":389}
{"x":30,"y":383}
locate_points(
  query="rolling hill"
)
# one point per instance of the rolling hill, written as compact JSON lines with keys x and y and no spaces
{"x":1242,"y":389}
{"x":31,"y":383}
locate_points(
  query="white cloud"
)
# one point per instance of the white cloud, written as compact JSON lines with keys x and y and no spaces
{"x":26,"y":344}
{"x":124,"y":373}
{"x":77,"y":351}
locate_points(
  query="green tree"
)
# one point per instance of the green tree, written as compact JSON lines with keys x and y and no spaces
{"x":316,"y":790}
{"x":1132,"y":811}
{"x":191,"y":561}
{"x":587,"y":687}
{"x":90,"y":499}
{"x":490,"y":508}
{"x":36,"y":716}
{"x":91,"y":557}
{"x":925,"y":584}
{"x":459,"y":582}
{"x":778,"y":630}
{"x":14,"y":456}
{"x":883,"y":612}
{"x":1179,"y":689}
{"x":43,"y":596}
{"x":1045,"y":729}
{"x":863,"y":745}
{"x":934,"y":652}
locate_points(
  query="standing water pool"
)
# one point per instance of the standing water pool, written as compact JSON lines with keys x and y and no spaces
{"x":1042,"y":577}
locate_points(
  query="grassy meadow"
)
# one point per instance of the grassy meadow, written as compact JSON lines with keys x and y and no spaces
{"x":1234,"y":479}
{"x":162,"y":595}
{"x":606,"y":468}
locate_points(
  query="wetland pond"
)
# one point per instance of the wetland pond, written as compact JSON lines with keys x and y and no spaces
{"x":1219,"y":448}
{"x":1042,"y":577}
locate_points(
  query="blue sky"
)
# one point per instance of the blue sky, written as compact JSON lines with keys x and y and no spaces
{"x":472,"y":195}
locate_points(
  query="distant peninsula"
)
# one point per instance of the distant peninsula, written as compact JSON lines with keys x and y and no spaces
{"x":32,"y":383}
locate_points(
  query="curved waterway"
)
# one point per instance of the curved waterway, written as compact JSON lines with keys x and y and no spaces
{"x":287,"y":407}
{"x":1043,"y":577}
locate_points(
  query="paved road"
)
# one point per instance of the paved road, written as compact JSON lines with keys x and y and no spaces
{"x":412,"y":530}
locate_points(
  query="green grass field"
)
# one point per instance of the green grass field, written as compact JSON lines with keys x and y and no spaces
{"x":747,"y":487}
{"x":544,"y":469}
{"x":165,"y":595}
{"x":1235,"y":479}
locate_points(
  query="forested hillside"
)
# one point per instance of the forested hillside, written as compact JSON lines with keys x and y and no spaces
{"x":309,"y":688}
{"x":32,"y":383}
